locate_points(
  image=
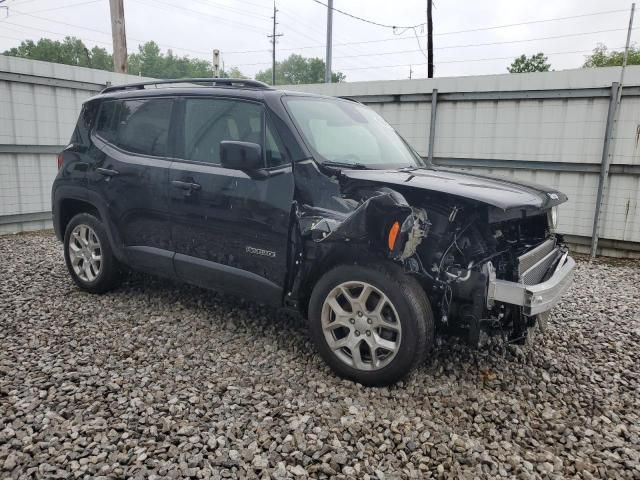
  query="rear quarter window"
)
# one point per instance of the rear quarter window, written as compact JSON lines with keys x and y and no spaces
{"x":137,"y":126}
{"x":106,"y":122}
{"x":85,"y":124}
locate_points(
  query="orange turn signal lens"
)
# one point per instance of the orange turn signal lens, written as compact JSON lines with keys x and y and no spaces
{"x":393,"y":235}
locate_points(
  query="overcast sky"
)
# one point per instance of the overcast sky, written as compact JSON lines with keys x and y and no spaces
{"x":361,"y":51}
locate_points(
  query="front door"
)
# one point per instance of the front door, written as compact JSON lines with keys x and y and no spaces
{"x":229,"y":231}
{"x":130,"y":175}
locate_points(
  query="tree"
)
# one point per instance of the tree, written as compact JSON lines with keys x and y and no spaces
{"x":234,"y":72}
{"x":602,"y":57}
{"x":535,"y":63}
{"x":149,"y":61}
{"x":101,"y":59}
{"x":71,"y":51}
{"x":298,"y":69}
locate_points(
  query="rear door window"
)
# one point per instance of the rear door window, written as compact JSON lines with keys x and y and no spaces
{"x":143,"y":126}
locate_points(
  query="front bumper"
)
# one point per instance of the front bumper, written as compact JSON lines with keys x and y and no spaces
{"x":533,"y":299}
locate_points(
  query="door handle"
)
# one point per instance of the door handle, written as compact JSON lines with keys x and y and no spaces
{"x":107,"y":172}
{"x":185,"y":185}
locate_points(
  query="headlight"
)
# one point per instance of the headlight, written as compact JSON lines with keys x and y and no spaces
{"x":552,"y":216}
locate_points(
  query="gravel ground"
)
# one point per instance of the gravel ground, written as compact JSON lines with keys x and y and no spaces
{"x":161,"y":380}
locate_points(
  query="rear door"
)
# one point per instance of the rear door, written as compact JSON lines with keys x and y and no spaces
{"x":130,"y":175}
{"x":229,"y":230}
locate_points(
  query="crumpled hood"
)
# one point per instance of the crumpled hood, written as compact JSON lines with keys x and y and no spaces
{"x":501,"y":192}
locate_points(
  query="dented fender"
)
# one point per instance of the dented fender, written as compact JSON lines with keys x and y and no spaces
{"x":335,"y":218}
{"x":381,"y":217}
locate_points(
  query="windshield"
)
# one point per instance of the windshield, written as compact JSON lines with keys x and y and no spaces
{"x":347,"y":132}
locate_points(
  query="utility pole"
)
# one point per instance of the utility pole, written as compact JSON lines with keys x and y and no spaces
{"x":273,"y":38}
{"x":607,"y":151}
{"x":119,"y":35}
{"x":429,"y":39}
{"x":216,"y":63}
{"x":327,"y":63}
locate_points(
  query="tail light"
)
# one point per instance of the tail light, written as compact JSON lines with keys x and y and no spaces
{"x":60,"y":160}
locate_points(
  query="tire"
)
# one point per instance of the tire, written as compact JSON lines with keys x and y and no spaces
{"x":401,"y":333}
{"x":89,"y":273}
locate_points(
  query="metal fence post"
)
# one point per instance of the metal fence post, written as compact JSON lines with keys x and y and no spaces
{"x":432,"y":125}
{"x":604,"y":165}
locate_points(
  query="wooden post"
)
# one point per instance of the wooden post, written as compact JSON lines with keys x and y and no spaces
{"x":119,"y":35}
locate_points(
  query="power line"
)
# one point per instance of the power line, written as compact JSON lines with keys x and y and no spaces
{"x":464,"y":61}
{"x":532,"y":22}
{"x":13,"y":38}
{"x":200,"y":52}
{"x":400,"y":52}
{"x":47,"y":31}
{"x":199,"y":13}
{"x":63,"y":23}
{"x":366,"y":20}
{"x":443,"y":62}
{"x":55,"y":8}
{"x":313,"y":28}
{"x":102,"y":42}
{"x":139,"y":40}
{"x":30,"y":14}
{"x":384,"y":40}
{"x":470,"y":30}
{"x":221,"y":6}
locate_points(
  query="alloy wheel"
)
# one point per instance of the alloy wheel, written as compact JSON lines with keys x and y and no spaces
{"x":85,"y":253}
{"x":361,"y":326}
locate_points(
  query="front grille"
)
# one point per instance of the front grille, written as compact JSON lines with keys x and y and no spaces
{"x":533,"y":265}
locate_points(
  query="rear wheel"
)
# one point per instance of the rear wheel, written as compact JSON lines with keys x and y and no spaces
{"x":371,"y":324}
{"x":88,"y":255}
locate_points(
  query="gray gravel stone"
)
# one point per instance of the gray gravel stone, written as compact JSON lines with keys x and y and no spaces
{"x":161,"y":380}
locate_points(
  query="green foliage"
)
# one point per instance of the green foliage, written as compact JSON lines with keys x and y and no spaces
{"x":233,"y":72}
{"x":602,"y":57}
{"x":535,"y":63}
{"x":71,"y":51}
{"x":298,"y":69}
{"x":149,"y":61}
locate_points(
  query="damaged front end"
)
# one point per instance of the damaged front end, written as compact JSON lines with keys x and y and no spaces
{"x":482,"y":271}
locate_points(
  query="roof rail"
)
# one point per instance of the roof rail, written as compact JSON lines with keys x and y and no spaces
{"x":351,"y":99}
{"x":206,"y":82}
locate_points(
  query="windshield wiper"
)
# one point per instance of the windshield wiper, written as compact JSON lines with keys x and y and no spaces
{"x":355,"y":166}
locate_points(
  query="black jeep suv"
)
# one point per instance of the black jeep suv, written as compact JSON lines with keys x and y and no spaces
{"x":305,"y":202}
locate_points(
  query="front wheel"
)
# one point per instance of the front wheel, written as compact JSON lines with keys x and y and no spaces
{"x":371,"y":324}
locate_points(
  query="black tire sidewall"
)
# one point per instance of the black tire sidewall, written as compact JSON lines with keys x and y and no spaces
{"x":109,"y":269}
{"x":413,"y":310}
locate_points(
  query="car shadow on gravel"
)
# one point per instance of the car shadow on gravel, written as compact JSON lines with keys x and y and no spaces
{"x":450,"y":359}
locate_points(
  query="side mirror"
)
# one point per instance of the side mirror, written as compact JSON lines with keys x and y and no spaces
{"x":244,"y":156}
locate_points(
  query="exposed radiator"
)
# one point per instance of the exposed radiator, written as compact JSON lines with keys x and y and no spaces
{"x":533,"y":265}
